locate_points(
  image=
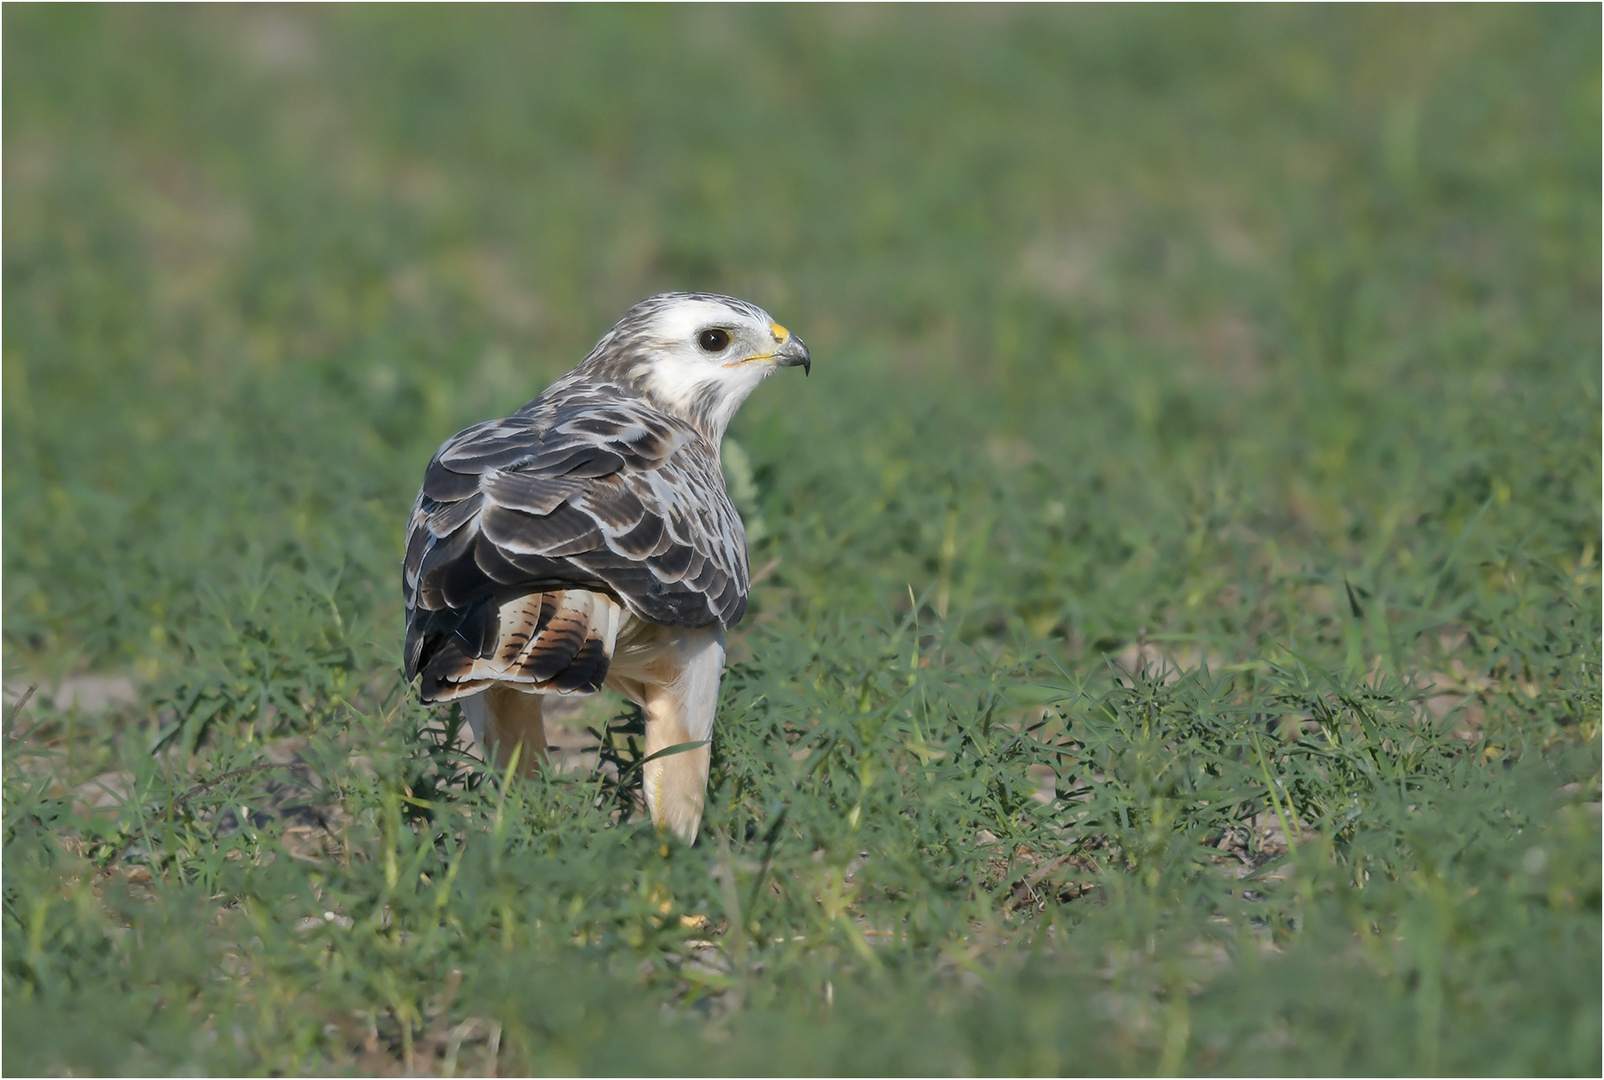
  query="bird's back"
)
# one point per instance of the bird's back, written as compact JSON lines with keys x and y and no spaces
{"x":536,"y":540}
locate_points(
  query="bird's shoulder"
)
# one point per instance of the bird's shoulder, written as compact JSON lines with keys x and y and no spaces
{"x":584,"y":434}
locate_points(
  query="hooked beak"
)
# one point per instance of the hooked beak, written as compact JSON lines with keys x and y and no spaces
{"x":792,"y":352}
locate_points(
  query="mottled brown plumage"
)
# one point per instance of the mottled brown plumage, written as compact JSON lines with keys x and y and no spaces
{"x":596,"y":513}
{"x":589,"y":487}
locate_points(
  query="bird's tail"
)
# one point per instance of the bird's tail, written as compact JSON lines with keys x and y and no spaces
{"x":555,"y":642}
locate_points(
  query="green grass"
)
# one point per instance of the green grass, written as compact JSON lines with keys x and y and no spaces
{"x":1205,"y":420}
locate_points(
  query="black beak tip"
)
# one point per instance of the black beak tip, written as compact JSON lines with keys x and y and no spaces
{"x":794,"y":353}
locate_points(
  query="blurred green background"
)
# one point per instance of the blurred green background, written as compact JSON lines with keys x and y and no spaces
{"x":1260,"y":342}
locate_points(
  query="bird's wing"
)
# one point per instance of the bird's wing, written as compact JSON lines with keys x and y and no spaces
{"x":608,"y":497}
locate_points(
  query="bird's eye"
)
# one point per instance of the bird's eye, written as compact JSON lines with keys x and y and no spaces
{"x":714,"y":340}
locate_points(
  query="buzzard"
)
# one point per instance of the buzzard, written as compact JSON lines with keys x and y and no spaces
{"x":587,"y":541}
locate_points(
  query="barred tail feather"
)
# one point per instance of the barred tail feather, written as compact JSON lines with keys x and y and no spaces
{"x":555,"y":642}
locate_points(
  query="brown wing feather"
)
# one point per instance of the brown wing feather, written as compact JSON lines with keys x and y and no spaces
{"x":534,"y":537}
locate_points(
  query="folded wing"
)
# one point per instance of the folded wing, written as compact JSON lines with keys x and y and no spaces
{"x":534,"y":538}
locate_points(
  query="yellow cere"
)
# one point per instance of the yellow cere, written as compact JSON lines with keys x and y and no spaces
{"x":780,"y":332}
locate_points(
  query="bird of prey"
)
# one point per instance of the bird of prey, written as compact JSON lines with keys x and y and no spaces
{"x":587,"y":541}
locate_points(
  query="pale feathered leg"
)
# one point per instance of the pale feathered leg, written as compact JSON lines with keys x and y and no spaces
{"x":677,"y":688}
{"x":505,"y":719}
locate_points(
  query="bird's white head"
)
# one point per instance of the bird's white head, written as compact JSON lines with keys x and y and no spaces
{"x":696,"y":355}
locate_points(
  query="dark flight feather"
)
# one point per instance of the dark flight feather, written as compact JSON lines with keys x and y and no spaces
{"x":526,"y":529}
